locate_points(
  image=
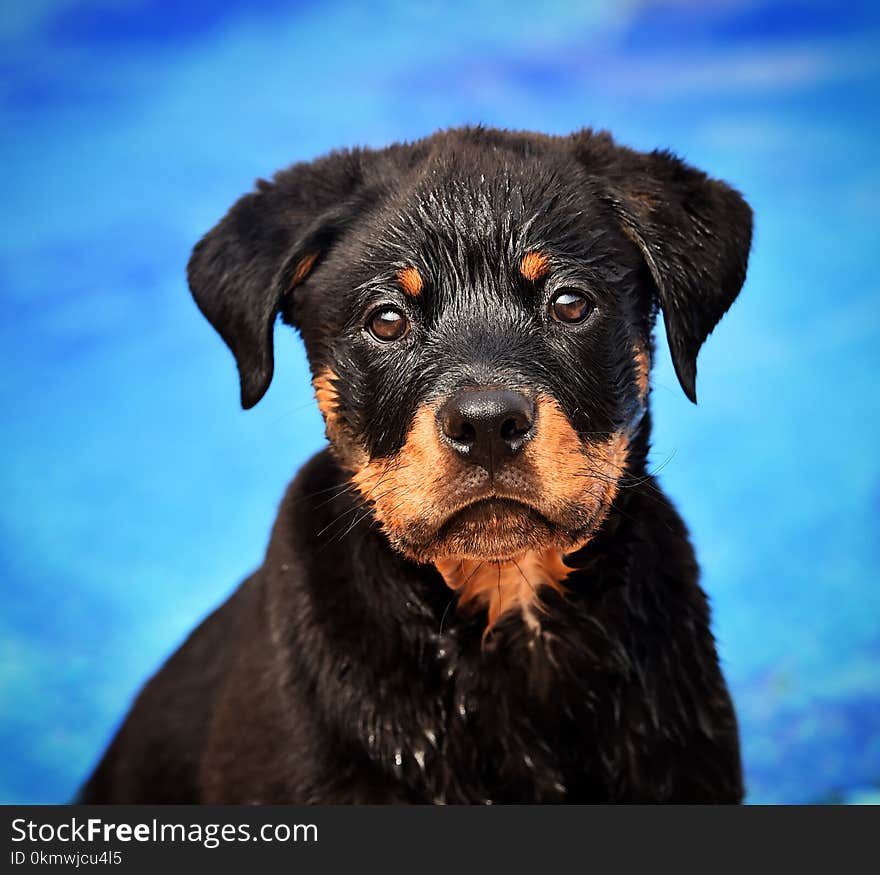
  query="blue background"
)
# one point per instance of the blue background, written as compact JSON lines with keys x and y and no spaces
{"x":136,"y":494}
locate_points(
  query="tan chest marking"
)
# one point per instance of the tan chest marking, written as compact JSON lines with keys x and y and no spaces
{"x":505,"y":586}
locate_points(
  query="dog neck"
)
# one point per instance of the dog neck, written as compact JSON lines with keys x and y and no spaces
{"x":506,"y":585}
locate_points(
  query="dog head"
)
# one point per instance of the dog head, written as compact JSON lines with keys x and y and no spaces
{"x":477,"y":308}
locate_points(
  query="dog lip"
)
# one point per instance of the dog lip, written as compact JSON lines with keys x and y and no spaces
{"x":488,"y":502}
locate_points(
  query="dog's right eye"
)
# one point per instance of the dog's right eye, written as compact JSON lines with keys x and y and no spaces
{"x":387,"y":324}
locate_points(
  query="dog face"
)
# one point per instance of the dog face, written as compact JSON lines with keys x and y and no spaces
{"x":477,"y":309}
{"x":483,"y":362}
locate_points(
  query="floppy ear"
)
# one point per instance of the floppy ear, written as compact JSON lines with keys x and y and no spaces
{"x":268,"y":243}
{"x":694,"y":233}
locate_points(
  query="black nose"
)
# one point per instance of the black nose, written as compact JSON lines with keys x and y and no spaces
{"x":486,"y":426}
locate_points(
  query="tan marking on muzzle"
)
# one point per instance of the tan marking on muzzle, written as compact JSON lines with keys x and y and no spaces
{"x":403,"y":487}
{"x":573,"y":473}
{"x":565,"y":466}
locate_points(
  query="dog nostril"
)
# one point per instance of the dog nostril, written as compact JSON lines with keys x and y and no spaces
{"x":515,"y":427}
{"x":465,"y":433}
{"x":457,"y":428}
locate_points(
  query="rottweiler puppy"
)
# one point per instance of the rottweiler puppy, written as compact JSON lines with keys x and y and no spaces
{"x":478,"y":592}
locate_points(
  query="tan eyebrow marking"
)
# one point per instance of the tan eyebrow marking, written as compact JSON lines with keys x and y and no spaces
{"x":410,"y":281}
{"x":303,"y":268}
{"x":534,"y":266}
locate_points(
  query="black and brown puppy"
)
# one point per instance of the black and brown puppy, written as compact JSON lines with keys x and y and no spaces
{"x":478,"y":592}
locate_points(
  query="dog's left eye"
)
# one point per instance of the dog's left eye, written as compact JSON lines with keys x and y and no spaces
{"x":387,"y":324}
{"x":570,"y":306}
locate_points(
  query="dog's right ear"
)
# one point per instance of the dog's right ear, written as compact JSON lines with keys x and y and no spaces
{"x":266,"y":245}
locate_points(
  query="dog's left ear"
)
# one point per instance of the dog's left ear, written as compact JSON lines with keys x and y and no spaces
{"x":694,"y":233}
{"x":268,"y":243}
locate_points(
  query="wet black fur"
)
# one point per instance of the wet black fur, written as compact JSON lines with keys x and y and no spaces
{"x":341,"y":671}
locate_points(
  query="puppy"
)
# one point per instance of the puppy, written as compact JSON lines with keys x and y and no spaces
{"x":478,"y":592}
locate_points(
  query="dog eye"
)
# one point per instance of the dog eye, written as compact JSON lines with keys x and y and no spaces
{"x":570,"y":306}
{"x":387,"y":324}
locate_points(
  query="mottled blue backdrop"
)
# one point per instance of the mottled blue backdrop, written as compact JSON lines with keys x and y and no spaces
{"x":135,"y":493}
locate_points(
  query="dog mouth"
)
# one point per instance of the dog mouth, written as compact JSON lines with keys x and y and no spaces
{"x":493,"y":527}
{"x":497,"y":529}
{"x":492,"y":509}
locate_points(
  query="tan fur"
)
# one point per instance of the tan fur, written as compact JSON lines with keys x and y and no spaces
{"x":303,"y":268}
{"x":566,"y":469}
{"x":325,"y":394}
{"x":534,"y":266}
{"x":643,"y":370}
{"x":347,"y":452}
{"x":505,"y":586}
{"x":406,"y":487}
{"x":410,"y":281}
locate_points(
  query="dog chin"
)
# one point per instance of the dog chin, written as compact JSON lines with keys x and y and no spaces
{"x":491,"y":530}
